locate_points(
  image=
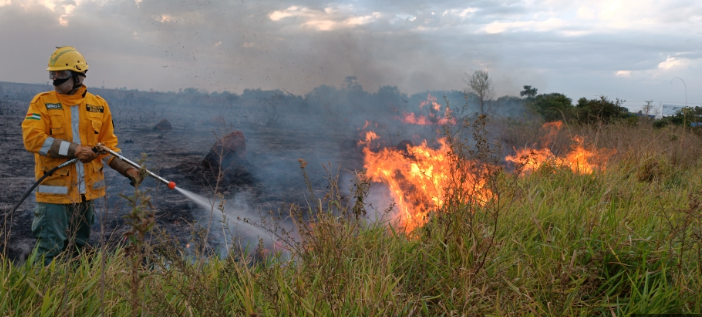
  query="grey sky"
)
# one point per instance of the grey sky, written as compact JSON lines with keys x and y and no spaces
{"x":628,"y":49}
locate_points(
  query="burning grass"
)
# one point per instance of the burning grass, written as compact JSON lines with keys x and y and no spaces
{"x":418,"y":178}
{"x":613,"y":242}
{"x":580,"y":159}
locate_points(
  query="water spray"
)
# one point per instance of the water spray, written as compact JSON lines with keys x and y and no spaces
{"x":101,"y":149}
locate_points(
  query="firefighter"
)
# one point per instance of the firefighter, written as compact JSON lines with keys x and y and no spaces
{"x":63,"y":124}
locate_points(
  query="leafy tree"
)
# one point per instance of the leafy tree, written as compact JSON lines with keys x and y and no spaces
{"x":509,"y":106}
{"x":553,"y":106}
{"x":481,"y":85}
{"x":351,"y":83}
{"x":191,"y":91}
{"x":529,"y":92}
{"x":602,"y":109}
{"x":390,"y":97}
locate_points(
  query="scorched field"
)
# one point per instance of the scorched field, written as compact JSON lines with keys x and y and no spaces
{"x":348,"y":203}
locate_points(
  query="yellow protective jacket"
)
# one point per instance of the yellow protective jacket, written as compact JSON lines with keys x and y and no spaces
{"x":54,"y":126}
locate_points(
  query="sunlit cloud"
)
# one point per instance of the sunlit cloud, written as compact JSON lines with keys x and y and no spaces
{"x":324,"y":20}
{"x":164,"y":18}
{"x":552,"y":44}
{"x":670,"y":63}
{"x":463,"y":13}
{"x":289,"y":12}
{"x":50,"y":4}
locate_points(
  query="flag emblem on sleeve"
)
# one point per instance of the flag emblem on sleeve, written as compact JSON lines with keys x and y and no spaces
{"x":33,"y":116}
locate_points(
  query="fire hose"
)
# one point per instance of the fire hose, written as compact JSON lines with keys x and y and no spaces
{"x":100,"y":149}
{"x":47,"y":174}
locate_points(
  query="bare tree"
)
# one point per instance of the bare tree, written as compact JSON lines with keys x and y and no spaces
{"x":480,"y":84}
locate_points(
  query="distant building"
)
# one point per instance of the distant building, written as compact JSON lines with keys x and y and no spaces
{"x":641,"y":114}
{"x":671,"y":110}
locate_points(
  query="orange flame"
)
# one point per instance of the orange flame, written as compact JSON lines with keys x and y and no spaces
{"x":434,"y":117}
{"x":420,"y":178}
{"x":417,"y":178}
{"x":579,"y":160}
{"x":370,"y":136}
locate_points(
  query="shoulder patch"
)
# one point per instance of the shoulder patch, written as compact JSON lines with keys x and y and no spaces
{"x":53,"y":106}
{"x":92,"y":108}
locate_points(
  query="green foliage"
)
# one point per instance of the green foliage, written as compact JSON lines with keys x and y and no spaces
{"x":600,"y":110}
{"x":529,"y":92}
{"x":556,"y":106}
{"x":566,"y":244}
{"x":553,"y":106}
{"x":619,"y":242}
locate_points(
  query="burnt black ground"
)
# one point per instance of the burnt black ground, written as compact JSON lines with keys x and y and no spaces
{"x":272,"y":177}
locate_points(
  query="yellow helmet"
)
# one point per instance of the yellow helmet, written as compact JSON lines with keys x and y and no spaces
{"x":67,"y":58}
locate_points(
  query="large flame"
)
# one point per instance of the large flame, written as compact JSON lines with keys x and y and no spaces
{"x":421,"y":178}
{"x":418,"y":176}
{"x":580,"y":160}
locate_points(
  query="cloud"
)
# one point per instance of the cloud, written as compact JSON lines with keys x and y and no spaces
{"x":330,"y":18}
{"x":163,"y":18}
{"x":569,"y":46}
{"x":522,"y":26}
{"x":462,"y":13}
{"x":671,"y":62}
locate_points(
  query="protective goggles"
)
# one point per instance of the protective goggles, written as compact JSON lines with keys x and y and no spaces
{"x":58,"y":75}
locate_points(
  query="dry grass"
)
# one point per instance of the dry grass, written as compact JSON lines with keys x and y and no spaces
{"x":618,"y":242}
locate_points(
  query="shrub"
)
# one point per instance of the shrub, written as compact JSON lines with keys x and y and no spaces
{"x":553,"y":107}
{"x":600,"y":110}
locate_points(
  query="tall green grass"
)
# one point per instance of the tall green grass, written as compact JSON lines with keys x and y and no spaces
{"x":618,"y":242}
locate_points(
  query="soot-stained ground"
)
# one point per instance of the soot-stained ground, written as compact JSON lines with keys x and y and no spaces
{"x":270,"y":178}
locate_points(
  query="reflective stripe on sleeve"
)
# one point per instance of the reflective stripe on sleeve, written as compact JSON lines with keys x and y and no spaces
{"x":47,"y":145}
{"x":63,"y":149}
{"x":99,"y":184}
{"x":57,"y":190}
{"x":75,"y":127}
